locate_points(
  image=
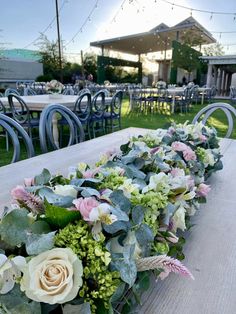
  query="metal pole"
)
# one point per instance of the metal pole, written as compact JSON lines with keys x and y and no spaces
{"x":59,"y":42}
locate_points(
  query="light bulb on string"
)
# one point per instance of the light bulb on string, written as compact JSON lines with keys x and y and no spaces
{"x":234,"y":17}
{"x":211,"y":16}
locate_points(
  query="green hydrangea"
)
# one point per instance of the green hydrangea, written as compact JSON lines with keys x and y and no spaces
{"x":99,"y":283}
{"x":200,"y":152}
{"x":153,"y":202}
{"x":112,"y":181}
{"x":160,"y":248}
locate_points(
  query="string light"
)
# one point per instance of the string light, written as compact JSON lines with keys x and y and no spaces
{"x":47,"y":28}
{"x":199,"y":10}
{"x":88,"y":19}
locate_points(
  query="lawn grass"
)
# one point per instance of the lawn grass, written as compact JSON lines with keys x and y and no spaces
{"x":150,"y":120}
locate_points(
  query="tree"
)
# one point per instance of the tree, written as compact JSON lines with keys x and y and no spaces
{"x":186,"y":58}
{"x":213,"y":50}
{"x":50,"y":57}
{"x":90,"y":65}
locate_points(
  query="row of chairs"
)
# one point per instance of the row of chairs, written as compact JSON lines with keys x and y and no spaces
{"x":158,"y":99}
{"x":93,"y":112}
{"x":15,"y":130}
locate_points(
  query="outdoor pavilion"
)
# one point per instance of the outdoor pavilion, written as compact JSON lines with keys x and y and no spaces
{"x":158,"y":39}
{"x":220,"y":72}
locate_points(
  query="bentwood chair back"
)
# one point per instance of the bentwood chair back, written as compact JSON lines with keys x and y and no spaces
{"x":205,"y":113}
{"x":15,"y":131}
{"x":49,"y":127}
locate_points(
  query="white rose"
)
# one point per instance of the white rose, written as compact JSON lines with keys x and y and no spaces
{"x":53,"y":276}
{"x":65,"y":190}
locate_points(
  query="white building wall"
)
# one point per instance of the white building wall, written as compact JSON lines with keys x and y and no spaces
{"x":20,"y":70}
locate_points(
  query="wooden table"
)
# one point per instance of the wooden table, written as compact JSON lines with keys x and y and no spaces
{"x":211,"y":245}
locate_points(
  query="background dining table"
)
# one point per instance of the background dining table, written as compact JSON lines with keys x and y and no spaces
{"x":210,"y":248}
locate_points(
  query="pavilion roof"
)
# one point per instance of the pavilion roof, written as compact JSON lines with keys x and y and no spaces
{"x":157,"y":39}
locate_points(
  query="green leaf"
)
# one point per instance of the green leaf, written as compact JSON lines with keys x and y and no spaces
{"x":36,"y":244}
{"x":77,"y":309}
{"x":137,"y":214}
{"x":42,"y":178}
{"x":117,"y":197}
{"x":59,"y":216}
{"x":143,"y":282}
{"x":15,"y":226}
{"x":118,"y":293}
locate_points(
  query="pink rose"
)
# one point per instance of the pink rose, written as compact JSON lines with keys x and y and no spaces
{"x":203,"y":189}
{"x":189,"y":154}
{"x":85,"y":205}
{"x":19,"y":193}
{"x":178,"y":146}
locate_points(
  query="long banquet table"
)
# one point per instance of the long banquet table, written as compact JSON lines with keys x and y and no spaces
{"x":38,"y":102}
{"x":210,"y":248}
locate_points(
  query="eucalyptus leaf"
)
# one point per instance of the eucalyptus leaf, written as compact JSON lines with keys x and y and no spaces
{"x":88,"y":192}
{"x":139,"y":163}
{"x":117,"y":197}
{"x":121,"y":215}
{"x":168,"y":212}
{"x":38,"y":243}
{"x":42,"y":178}
{"x":117,"y":226}
{"x":15,"y":226}
{"x":59,"y":216}
{"x":128,"y":270}
{"x":141,"y":183}
{"x":144,"y":235}
{"x":137,"y":214}
{"x":83,"y":308}
{"x":40,"y":226}
{"x":137,"y":173}
{"x":56,"y":199}
{"x":15,"y":302}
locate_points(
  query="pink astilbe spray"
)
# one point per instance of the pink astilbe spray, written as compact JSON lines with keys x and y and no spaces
{"x":28,"y":200}
{"x":165,"y":263}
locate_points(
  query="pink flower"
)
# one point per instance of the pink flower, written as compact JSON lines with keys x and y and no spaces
{"x":19,"y":193}
{"x":203,"y":189}
{"x":202,"y":138}
{"x":31,"y":201}
{"x":176,"y":172}
{"x":189,"y":154}
{"x":29,"y":181}
{"x":90,"y":173}
{"x":85,"y":206}
{"x":179,"y":147}
{"x":154,"y":150}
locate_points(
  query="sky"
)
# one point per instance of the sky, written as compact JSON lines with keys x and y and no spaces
{"x":84,"y":21}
